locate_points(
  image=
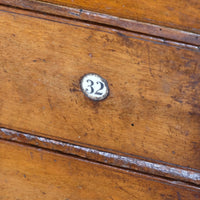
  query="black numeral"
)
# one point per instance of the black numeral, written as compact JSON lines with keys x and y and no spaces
{"x":91,"y":88}
{"x":101,"y":87}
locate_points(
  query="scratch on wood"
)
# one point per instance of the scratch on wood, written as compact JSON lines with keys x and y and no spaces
{"x":149,"y":61}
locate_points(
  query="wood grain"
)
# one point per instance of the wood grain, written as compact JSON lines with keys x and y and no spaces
{"x":106,"y":157}
{"x":47,"y":175}
{"x":182,"y":14}
{"x":153,"y":110}
{"x":105,"y":19}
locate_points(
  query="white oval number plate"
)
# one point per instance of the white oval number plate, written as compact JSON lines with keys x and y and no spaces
{"x":94,"y":87}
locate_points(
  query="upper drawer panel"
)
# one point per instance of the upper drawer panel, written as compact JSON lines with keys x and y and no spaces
{"x":153,"y":109}
{"x":184,"y":14}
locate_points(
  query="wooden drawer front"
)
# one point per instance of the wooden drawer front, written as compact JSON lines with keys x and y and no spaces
{"x":30,"y":173}
{"x":153,"y":107}
{"x":182,"y":14}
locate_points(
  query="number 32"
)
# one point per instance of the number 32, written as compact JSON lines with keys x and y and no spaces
{"x":91,"y":86}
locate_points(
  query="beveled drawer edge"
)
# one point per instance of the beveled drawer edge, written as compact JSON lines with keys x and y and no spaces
{"x":190,"y":176}
{"x":107,"y":20}
{"x":98,"y":27}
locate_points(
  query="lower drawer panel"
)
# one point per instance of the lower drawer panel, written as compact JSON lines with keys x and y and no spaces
{"x":31,"y":173}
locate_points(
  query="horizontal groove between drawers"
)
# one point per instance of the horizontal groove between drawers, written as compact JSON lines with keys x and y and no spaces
{"x":105,"y":157}
{"x":107,"y":20}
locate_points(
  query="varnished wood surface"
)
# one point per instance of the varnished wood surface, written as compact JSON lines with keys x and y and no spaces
{"x":182,"y":14}
{"x":106,"y":157}
{"x":105,"y":19}
{"x":153,"y":107}
{"x":29,"y":173}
